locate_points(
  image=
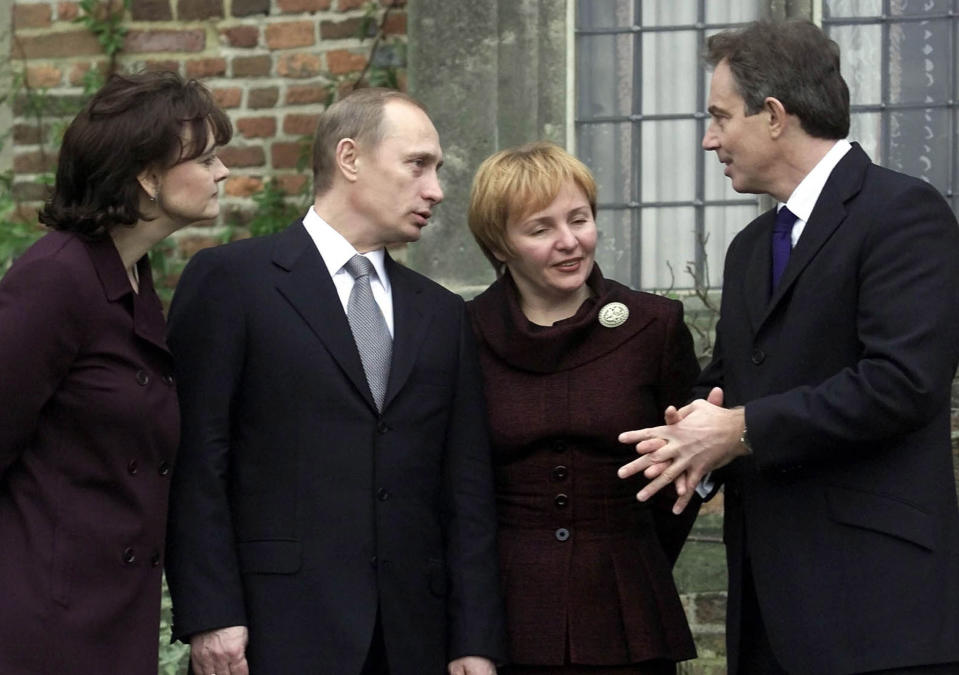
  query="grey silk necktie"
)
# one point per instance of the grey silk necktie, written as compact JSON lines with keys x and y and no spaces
{"x":370,"y":333}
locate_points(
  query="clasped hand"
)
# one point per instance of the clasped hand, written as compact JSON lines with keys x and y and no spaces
{"x":696,"y":439}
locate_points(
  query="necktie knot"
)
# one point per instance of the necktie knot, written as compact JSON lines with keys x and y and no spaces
{"x":358,"y":266}
{"x":785,"y":220}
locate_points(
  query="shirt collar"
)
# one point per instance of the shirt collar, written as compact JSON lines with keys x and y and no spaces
{"x":806,"y":194}
{"x":336,"y":250}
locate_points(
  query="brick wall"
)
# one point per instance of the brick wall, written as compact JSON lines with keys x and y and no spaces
{"x":271,"y":64}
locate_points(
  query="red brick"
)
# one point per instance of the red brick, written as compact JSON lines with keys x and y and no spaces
{"x":395,"y":24}
{"x":257,"y":127}
{"x":285,"y":155}
{"x":341,"y":61}
{"x":241,"y":36}
{"x":291,"y":184}
{"x":344,"y":5}
{"x":165,"y":41}
{"x":151,"y":10}
{"x":196,"y":10}
{"x":201,"y":68}
{"x":264,"y":97}
{"x":44,"y":76}
{"x":162,"y":65}
{"x":27,"y":134}
{"x":235,"y":157}
{"x":31,"y":16}
{"x":229,"y":97}
{"x":300,"y":125}
{"x":79,"y":71}
{"x":242,"y":186}
{"x":188,"y":245}
{"x":341,"y":30}
{"x":290,"y":34}
{"x":248,"y":7}
{"x":67,"y":11}
{"x":393,"y":3}
{"x":34,"y":162}
{"x":299,"y":65}
{"x":56,"y":45}
{"x":252,"y":66}
{"x":297,"y":6}
{"x":299,"y":93}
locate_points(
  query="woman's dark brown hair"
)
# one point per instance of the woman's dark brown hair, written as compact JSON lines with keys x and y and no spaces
{"x":133,"y":122}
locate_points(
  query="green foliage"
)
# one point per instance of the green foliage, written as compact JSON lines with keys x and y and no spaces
{"x":104,"y":18}
{"x":173,"y":657}
{"x":15,"y":234}
{"x":274,"y":212}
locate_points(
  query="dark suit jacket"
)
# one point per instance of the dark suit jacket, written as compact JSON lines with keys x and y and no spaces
{"x":297,"y":509}
{"x":847,"y":509}
{"x":587,"y":569}
{"x":88,"y":430}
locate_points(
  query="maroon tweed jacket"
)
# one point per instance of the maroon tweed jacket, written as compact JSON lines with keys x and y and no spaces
{"x":88,"y":432}
{"x":586,"y":569}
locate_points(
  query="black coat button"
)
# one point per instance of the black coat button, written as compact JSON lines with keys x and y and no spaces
{"x":382,"y":427}
{"x":373,"y":561}
{"x":164,"y":469}
{"x":758,"y":356}
{"x":562,"y":534}
{"x":560,"y":472}
{"x":168,"y":379}
{"x":382,"y":494}
{"x":155,"y":559}
{"x":142,"y":378}
{"x":132,"y":467}
{"x":561,"y":500}
{"x":129,"y":556}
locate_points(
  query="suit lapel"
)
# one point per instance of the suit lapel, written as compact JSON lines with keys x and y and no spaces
{"x":411,"y":318}
{"x":757,"y":275}
{"x":306,"y":284}
{"x":844,"y":182}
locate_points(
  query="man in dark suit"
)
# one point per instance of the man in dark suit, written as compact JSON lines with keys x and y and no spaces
{"x":841,"y":524}
{"x":332,"y":507}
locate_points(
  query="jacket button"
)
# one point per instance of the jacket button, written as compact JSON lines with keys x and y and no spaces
{"x":562,"y":534}
{"x":560,"y":472}
{"x":382,"y":494}
{"x":155,"y":559}
{"x":561,"y":500}
{"x":132,"y":467}
{"x":373,"y":561}
{"x":142,"y":378}
{"x":164,"y":469}
{"x":382,"y":427}
{"x":129,"y":557}
{"x":758,"y":356}
{"x":168,"y":379}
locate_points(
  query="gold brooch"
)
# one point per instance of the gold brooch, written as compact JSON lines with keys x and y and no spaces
{"x":613,"y":314}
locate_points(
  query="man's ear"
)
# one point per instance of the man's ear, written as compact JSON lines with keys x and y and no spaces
{"x":149,"y":180}
{"x":347,"y":158}
{"x":776,"y":115}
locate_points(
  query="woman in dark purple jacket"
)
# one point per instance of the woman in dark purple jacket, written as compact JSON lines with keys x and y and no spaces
{"x":570,"y":359}
{"x":89,"y":422}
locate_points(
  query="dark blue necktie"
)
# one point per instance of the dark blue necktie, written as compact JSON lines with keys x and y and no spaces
{"x":782,"y":242}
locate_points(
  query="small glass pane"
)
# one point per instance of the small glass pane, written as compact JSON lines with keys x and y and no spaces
{"x":920,"y":144}
{"x":614,"y":243}
{"x":919,"y":7}
{"x":670,"y":70}
{"x":721,"y":224}
{"x":659,"y":13}
{"x":604,"y":75}
{"x":851,"y":8}
{"x":604,"y":13}
{"x":667,"y":240}
{"x":669,"y":152}
{"x":607,"y":150}
{"x":922,"y":61}
{"x":860,"y":47}
{"x":867,"y":129}
{"x":731,"y":12}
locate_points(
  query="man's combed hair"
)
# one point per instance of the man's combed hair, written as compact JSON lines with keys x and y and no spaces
{"x":132,"y":123}
{"x":792,"y":61}
{"x":358,"y":115}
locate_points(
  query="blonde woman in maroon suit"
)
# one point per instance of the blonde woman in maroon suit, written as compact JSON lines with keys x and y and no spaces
{"x":89,"y":421}
{"x":568,"y":358}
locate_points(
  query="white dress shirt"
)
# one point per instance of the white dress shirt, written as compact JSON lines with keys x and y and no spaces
{"x":336,"y":251}
{"x":803,"y":199}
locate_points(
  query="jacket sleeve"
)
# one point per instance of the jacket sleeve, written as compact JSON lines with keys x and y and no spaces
{"x":476,"y":619}
{"x":908,"y":335}
{"x":206,"y":336}
{"x":41,"y":333}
